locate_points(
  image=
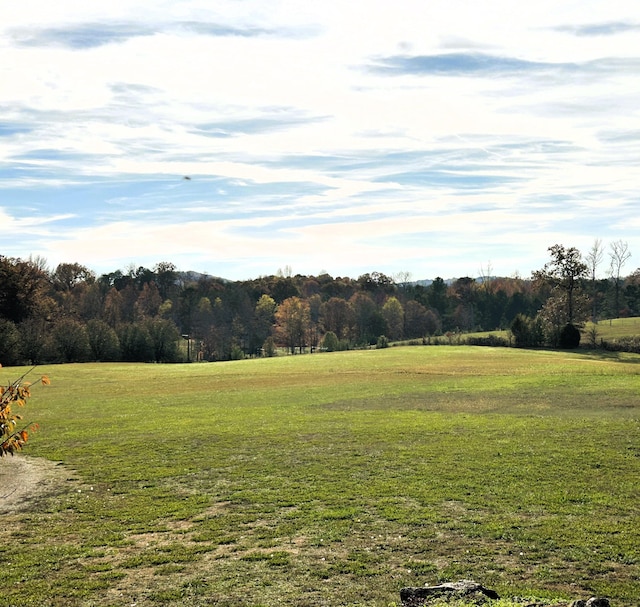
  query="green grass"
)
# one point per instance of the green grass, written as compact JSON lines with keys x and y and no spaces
{"x":333,"y":479}
{"x":615,"y":328}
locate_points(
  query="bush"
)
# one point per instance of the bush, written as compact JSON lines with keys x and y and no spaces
{"x":569,"y":337}
{"x":237,"y":353}
{"x":330,"y":342}
{"x":494,"y":341}
{"x":383,"y":342}
{"x":526,"y":331}
{"x":622,"y":344}
{"x":344,"y":344}
{"x":269,"y":347}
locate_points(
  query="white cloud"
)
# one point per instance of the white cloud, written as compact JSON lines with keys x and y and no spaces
{"x":274,"y":112}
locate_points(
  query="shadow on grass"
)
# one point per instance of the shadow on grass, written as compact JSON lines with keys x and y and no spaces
{"x":606,"y":355}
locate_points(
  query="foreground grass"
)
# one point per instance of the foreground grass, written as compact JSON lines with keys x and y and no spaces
{"x":333,"y":479}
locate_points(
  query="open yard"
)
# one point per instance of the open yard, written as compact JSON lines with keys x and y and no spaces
{"x":329,"y":479}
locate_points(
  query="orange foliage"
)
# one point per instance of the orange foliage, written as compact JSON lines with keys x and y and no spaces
{"x":13,"y":438}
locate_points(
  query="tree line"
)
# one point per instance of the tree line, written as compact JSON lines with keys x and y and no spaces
{"x":69,"y":314}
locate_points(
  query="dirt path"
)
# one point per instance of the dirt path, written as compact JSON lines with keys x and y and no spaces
{"x":24,"y":478}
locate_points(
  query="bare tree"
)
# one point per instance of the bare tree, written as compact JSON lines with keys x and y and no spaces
{"x":486,"y":274}
{"x":402,"y":279}
{"x":618,"y":255}
{"x":594,"y":259}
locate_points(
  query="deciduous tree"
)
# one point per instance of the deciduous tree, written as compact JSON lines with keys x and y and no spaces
{"x":393,"y":314}
{"x":618,"y":255}
{"x":135,"y":343}
{"x":594,"y":259}
{"x":67,"y":275}
{"x":24,"y":290}
{"x":563,"y":273}
{"x":70,"y":341}
{"x":263,"y":319}
{"x":10,"y":351}
{"x":164,"y":337}
{"x":103,"y":341}
{"x":292,"y":323}
{"x":368,"y":322}
{"x":149,"y":301}
{"x":337,"y":316}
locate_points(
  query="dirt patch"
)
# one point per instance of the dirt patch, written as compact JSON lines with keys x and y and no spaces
{"x":24,"y":479}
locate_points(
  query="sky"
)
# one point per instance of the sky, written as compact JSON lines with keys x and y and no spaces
{"x":242,"y":137}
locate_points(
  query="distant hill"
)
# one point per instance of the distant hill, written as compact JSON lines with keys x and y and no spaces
{"x":192,"y":276}
{"x":449,"y":281}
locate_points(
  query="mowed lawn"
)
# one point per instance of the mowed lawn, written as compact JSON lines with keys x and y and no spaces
{"x":614,"y":328}
{"x":332,"y":479}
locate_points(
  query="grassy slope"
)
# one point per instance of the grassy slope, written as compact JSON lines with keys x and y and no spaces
{"x":615,"y":328}
{"x":611,"y":329}
{"x":334,"y":479}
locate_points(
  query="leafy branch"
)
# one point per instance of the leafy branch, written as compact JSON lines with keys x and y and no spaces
{"x":13,"y":434}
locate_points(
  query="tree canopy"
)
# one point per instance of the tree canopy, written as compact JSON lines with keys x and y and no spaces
{"x":163,"y":314}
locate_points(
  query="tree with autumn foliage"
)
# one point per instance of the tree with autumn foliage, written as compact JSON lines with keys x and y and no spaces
{"x":563,"y":274}
{"x":14,"y":434}
{"x":292,"y":323}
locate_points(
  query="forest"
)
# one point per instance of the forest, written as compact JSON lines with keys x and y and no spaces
{"x":162,"y":314}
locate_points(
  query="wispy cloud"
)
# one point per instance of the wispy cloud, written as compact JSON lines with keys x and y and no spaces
{"x":277,"y":120}
{"x":82,"y":36}
{"x":317,"y":136}
{"x":479,"y":64}
{"x":96,"y":34}
{"x":486,"y":65}
{"x":609,"y":28}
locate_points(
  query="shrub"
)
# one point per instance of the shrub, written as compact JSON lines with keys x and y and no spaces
{"x":569,"y":337}
{"x":490,"y":340}
{"x":269,"y":347}
{"x":237,"y":353}
{"x":344,"y":344}
{"x":622,"y":344}
{"x":526,"y":331}
{"x":330,"y":342}
{"x":383,"y":342}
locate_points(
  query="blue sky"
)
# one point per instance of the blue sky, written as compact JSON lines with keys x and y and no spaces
{"x":435,"y":138}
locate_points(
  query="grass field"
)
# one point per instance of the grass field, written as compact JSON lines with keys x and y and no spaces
{"x":611,"y":329}
{"x":332,"y":479}
{"x":615,"y":328}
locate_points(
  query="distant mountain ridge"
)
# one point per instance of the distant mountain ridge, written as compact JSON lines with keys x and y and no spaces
{"x":193,"y":276}
{"x":449,"y":281}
